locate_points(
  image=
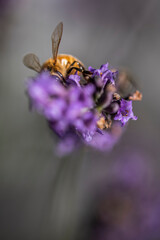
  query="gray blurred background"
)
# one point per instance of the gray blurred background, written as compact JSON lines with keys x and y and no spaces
{"x":123,"y":32}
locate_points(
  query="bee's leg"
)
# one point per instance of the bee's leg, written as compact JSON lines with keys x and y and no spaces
{"x":78,"y":63}
{"x":72,"y":64}
{"x":86,"y":74}
{"x":71,"y":67}
{"x":74,"y":68}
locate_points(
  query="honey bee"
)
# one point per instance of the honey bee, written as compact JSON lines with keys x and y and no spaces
{"x":61,"y":65}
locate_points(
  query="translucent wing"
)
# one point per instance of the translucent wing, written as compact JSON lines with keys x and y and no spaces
{"x":32,"y":61}
{"x":125,"y":83}
{"x":56,"y":38}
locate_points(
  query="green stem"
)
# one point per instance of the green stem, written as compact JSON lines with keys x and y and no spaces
{"x":63,"y":200}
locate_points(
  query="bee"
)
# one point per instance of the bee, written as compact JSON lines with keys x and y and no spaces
{"x":61,"y":65}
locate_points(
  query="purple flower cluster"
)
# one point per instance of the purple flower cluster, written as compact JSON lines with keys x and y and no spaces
{"x":104,"y":73}
{"x":127,"y":206}
{"x":104,"y":80}
{"x":68,"y":110}
{"x":125,"y":112}
{"x":81,"y":112}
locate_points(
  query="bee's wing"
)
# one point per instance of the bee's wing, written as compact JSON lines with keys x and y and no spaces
{"x":125,"y":83}
{"x":32,"y":61}
{"x":56,"y":38}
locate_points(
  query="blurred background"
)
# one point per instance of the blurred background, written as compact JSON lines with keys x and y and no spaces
{"x":43,"y":197}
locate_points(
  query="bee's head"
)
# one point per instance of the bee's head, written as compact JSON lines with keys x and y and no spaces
{"x":53,"y":68}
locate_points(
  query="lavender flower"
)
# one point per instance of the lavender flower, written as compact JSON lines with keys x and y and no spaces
{"x":42,"y":88}
{"x":104,"y":73}
{"x":127,"y":207}
{"x":74,"y":80}
{"x":80,"y":112}
{"x":125,"y":112}
{"x":105,"y":140}
{"x":69,"y":111}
